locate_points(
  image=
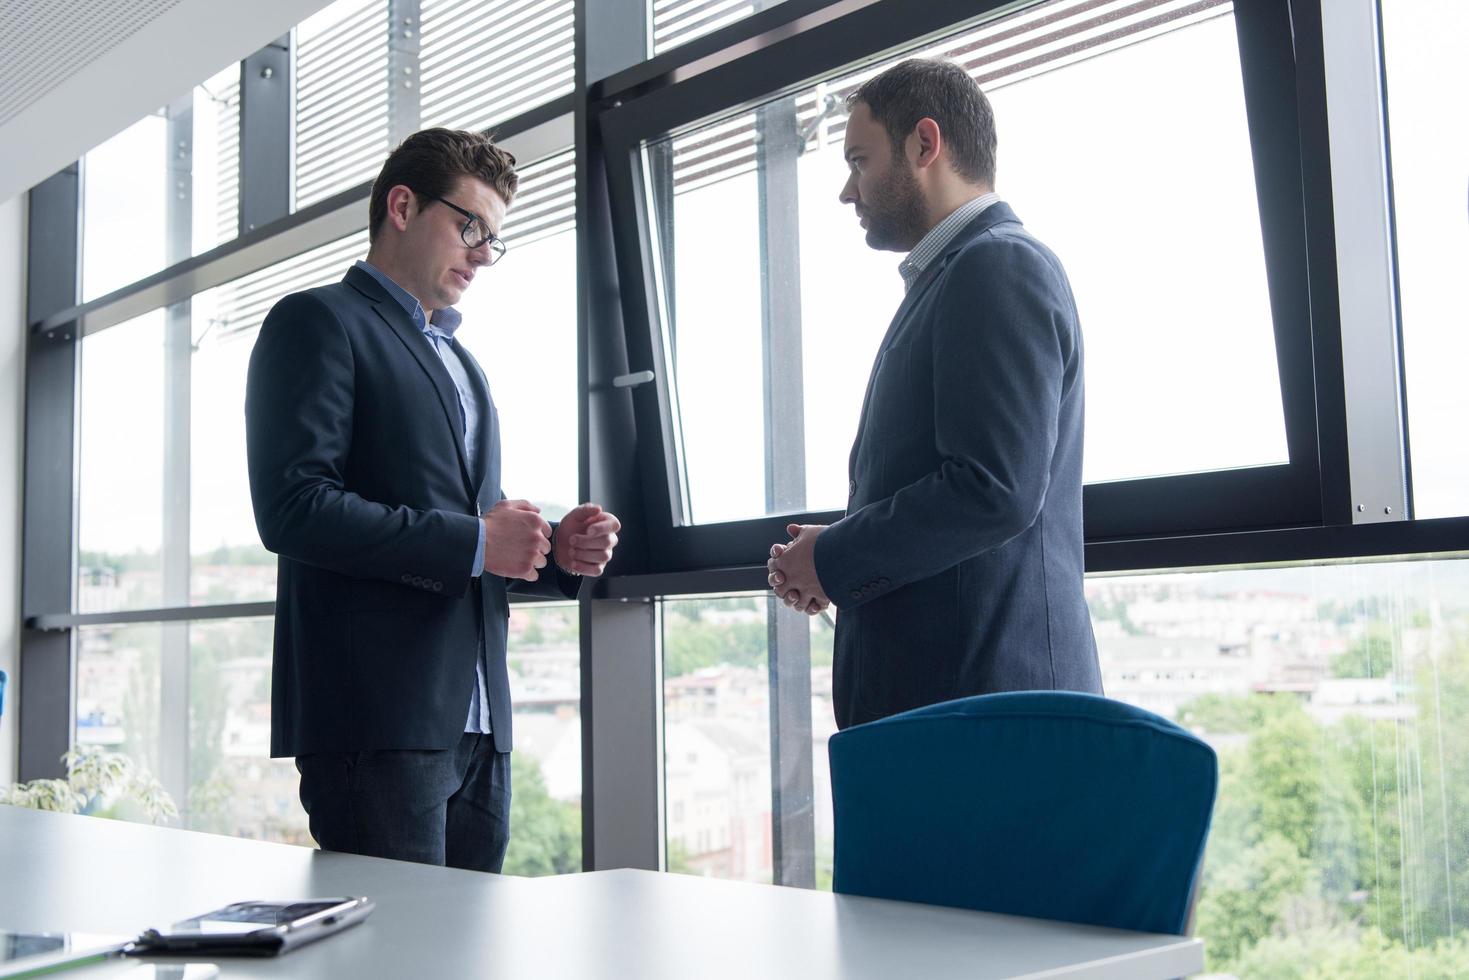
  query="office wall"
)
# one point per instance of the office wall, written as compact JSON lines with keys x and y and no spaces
{"x":12,"y":394}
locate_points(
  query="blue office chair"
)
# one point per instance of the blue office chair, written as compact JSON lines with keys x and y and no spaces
{"x":3,"y":679}
{"x":1041,"y":803}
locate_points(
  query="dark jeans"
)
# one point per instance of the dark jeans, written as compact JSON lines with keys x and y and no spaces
{"x":435,"y":807}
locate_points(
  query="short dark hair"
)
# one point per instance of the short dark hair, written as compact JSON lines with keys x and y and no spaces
{"x":943,"y":92}
{"x":432,"y":160}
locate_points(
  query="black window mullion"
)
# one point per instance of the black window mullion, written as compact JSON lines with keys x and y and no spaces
{"x":265,"y":135}
{"x":47,"y":583}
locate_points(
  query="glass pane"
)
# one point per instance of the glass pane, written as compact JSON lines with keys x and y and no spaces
{"x":126,"y":207}
{"x":1425,"y":74}
{"x":484,"y":61}
{"x":678,"y":21}
{"x":1338,"y":700}
{"x":728,"y":238}
{"x":532,"y":373}
{"x":716,"y":737}
{"x":120,"y":496}
{"x":545,"y":771}
{"x":823,"y":727}
{"x":136,"y":186}
{"x":216,"y":201}
{"x":228,"y":562}
{"x":341,"y":105}
{"x":118,"y":688}
{"x":235,"y":787}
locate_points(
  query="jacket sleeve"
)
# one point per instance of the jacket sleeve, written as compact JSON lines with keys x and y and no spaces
{"x":1001,"y":339}
{"x":298,"y":434}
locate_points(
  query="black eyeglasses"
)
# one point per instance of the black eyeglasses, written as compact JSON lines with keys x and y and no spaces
{"x":476,"y":230}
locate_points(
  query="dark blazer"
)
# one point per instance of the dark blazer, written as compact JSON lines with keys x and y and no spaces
{"x":958,"y":567}
{"x":361,"y":485}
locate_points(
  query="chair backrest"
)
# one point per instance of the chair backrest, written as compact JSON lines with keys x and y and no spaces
{"x":1041,"y":803}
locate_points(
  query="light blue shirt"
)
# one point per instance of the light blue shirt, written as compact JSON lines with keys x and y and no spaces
{"x":439,"y":329}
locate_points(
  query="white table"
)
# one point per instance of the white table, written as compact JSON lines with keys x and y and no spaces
{"x":86,"y":874}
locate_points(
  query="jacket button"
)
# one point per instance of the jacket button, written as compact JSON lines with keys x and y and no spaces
{"x":883,"y":583}
{"x":438,"y":586}
{"x":407,"y":579}
{"x":856,"y":593}
{"x":418,"y":580}
{"x":851,"y":488}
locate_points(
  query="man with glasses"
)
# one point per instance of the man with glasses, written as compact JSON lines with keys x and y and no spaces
{"x":374,"y":452}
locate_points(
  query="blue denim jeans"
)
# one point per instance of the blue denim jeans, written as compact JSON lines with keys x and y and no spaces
{"x":446,"y":807}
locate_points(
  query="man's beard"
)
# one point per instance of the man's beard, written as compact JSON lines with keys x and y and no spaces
{"x":895,"y":214}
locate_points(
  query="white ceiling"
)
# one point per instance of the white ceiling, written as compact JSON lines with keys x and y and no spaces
{"x":77,"y":72}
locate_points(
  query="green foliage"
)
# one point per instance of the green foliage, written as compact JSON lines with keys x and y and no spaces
{"x":545,"y":834}
{"x":96,"y":782}
{"x":1115,"y":609}
{"x":1248,"y":896}
{"x":1339,"y":850}
{"x":678,"y":859}
{"x":1221,"y":714}
{"x":691,"y":641}
{"x":1370,"y":656}
{"x":1342,"y":954}
{"x":241,"y":554}
{"x":133,"y":561}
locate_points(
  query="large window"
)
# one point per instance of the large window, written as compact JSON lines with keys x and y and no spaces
{"x":483,"y":61}
{"x":363,"y":82}
{"x":1421,"y":39}
{"x":1335,"y":696}
{"x":120,"y":506}
{"x":676,"y":22}
{"x":1159,"y":229}
{"x":228,"y":562}
{"x":210,"y":742}
{"x":341,"y":103}
{"x":163,"y":189}
{"x":716,"y":733}
{"x":520,"y":324}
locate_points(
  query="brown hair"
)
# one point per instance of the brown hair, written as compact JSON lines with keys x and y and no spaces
{"x":941,"y":91}
{"x":431,"y":161}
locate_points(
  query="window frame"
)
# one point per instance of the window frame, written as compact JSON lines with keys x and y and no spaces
{"x":1278,"y":89}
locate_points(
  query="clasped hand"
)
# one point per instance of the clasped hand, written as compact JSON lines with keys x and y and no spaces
{"x":792,"y":570}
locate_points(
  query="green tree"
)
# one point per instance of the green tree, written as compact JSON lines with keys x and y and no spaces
{"x":1246,"y":897}
{"x":1346,"y":838}
{"x":692,"y":642}
{"x":1369,"y":656}
{"x":545,"y":834}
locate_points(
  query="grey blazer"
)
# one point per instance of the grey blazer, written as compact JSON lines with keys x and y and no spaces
{"x":957,"y":569}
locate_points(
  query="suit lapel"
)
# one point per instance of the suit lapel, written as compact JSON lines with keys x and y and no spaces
{"x":398,"y":320}
{"x":910,"y":299}
{"x":987,"y":219}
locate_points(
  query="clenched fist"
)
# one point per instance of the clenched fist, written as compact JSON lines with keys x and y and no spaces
{"x":517,"y":540}
{"x":585,"y":539}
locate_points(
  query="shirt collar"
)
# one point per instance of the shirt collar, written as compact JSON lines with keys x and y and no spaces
{"x":939,"y":237}
{"x":444,"y":321}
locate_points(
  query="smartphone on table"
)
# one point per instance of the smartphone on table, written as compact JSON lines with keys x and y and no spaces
{"x":256,"y":928}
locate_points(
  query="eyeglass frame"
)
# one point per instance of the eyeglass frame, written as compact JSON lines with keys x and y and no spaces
{"x":497,"y":244}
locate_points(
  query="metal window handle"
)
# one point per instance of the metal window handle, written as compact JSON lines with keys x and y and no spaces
{"x":632,"y":380}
